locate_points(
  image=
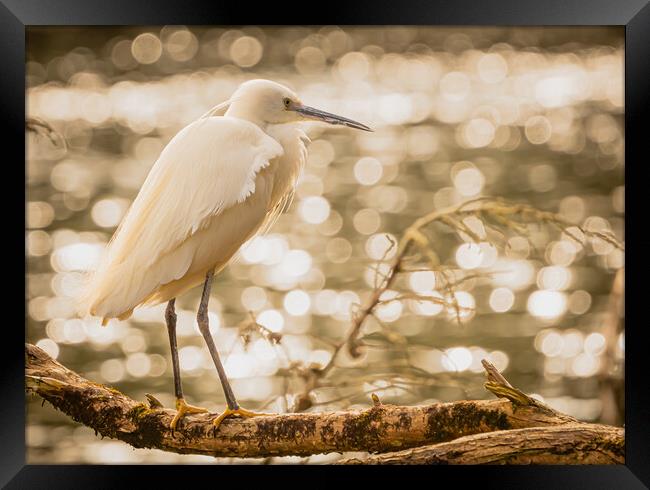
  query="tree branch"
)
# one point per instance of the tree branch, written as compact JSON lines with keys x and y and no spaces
{"x":564,"y":444}
{"x":382,"y":428}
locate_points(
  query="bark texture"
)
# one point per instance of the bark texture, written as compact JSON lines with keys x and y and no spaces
{"x":470,"y":425}
{"x":564,"y":444}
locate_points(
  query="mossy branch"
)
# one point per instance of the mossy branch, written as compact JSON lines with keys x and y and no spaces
{"x":381,"y":428}
{"x":569,"y":444}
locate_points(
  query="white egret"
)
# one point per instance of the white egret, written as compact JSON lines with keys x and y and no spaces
{"x":220,"y":181}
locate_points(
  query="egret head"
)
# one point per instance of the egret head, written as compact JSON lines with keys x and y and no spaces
{"x":267,"y":102}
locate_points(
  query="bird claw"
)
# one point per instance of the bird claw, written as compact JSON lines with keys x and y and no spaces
{"x":239,"y":412}
{"x":182,"y":407}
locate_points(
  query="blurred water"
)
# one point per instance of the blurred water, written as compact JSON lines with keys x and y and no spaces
{"x":532,"y":115}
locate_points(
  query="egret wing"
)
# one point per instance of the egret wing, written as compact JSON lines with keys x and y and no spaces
{"x":206,"y":168}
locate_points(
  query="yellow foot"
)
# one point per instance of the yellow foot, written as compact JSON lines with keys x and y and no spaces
{"x":182,"y":408}
{"x":240,"y":412}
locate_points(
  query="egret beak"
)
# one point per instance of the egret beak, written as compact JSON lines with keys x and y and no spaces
{"x":318,"y":115}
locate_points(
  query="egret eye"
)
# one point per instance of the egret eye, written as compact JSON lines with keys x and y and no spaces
{"x":287,"y":102}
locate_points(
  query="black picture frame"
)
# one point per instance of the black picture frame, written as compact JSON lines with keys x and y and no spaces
{"x":16,"y":15}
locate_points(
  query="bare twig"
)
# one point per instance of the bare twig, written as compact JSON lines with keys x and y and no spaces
{"x":514,"y":216}
{"x":38,"y":126}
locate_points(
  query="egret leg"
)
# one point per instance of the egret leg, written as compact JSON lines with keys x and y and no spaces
{"x":182,"y":407}
{"x":204,"y":328}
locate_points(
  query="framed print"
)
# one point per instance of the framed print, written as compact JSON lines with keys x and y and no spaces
{"x":375,"y":235}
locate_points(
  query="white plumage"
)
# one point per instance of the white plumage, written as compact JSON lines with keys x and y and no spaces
{"x":218,"y":182}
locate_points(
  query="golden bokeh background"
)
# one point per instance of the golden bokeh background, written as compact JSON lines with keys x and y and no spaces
{"x":534,"y":115}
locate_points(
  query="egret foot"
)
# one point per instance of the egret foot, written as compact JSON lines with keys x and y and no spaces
{"x":239,"y":412}
{"x":182,"y":408}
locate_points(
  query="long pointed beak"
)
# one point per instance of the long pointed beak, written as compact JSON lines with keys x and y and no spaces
{"x":319,"y":115}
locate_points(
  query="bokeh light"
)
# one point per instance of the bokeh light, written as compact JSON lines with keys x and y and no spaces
{"x":534,"y":115}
